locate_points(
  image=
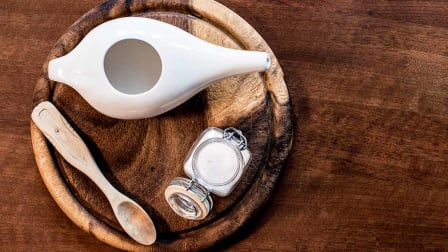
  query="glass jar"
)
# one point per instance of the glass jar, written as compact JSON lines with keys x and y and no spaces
{"x":215,"y":164}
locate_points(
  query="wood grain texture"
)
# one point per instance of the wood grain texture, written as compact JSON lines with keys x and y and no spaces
{"x":368,"y":81}
{"x":141,"y":157}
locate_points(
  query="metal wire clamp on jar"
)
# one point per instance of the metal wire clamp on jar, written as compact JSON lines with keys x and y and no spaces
{"x":215,"y":165}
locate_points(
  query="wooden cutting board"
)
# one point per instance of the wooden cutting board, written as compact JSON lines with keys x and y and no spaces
{"x":140,"y":157}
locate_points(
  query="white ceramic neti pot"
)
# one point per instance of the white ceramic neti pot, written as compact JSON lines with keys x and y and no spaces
{"x":134,"y":67}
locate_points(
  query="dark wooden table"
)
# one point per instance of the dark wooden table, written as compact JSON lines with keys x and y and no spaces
{"x":369,"y":165}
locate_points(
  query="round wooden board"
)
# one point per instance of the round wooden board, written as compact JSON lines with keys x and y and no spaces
{"x":140,"y":157}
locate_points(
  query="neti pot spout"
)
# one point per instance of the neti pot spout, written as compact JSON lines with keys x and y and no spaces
{"x":134,"y":67}
{"x":223,"y":62}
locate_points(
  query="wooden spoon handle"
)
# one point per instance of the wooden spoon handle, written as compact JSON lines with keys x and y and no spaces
{"x":66,"y":141}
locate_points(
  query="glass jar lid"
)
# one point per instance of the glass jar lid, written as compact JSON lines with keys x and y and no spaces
{"x":188,"y":199}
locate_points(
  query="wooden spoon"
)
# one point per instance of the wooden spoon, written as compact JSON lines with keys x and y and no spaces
{"x":131,"y":216}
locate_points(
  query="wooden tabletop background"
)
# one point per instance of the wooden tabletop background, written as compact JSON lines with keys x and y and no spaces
{"x":369,"y":165}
